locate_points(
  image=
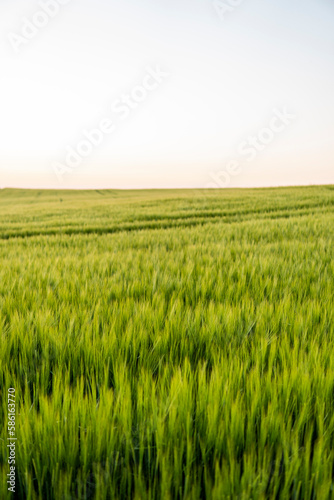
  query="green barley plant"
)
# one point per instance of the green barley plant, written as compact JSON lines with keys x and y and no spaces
{"x":168,"y":344}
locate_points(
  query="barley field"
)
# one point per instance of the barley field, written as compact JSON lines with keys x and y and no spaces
{"x":168,"y":344}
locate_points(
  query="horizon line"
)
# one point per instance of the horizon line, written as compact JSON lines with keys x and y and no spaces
{"x":281,"y":186}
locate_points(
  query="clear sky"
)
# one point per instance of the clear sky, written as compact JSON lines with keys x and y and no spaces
{"x":248,"y":100}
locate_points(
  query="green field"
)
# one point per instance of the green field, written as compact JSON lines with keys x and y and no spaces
{"x":168,"y":344}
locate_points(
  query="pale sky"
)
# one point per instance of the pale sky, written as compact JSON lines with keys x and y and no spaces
{"x":66,"y":65}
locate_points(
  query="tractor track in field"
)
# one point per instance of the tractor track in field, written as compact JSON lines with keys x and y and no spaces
{"x":169,"y":222}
